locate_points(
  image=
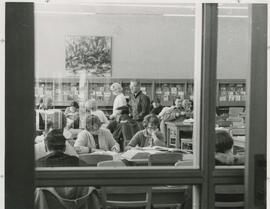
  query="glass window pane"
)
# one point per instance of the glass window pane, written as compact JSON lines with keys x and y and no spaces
{"x":232,"y":69}
{"x":100,"y":70}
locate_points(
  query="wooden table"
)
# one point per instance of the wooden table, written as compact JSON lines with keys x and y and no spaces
{"x":173,"y":130}
{"x":142,"y":160}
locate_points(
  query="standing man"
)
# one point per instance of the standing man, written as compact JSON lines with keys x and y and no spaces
{"x":140,"y":103}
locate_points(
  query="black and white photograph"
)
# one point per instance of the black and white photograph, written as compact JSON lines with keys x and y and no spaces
{"x":147,"y":104}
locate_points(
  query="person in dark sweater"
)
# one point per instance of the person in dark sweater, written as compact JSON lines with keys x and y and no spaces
{"x":55,"y":143}
{"x":156,"y":106}
{"x":126,"y":127}
{"x":140,"y":103}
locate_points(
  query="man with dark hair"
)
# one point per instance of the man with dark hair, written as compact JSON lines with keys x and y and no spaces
{"x":140,"y":103}
{"x":126,"y":127}
{"x":55,"y":143}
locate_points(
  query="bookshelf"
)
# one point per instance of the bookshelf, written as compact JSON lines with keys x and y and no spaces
{"x":230,"y":93}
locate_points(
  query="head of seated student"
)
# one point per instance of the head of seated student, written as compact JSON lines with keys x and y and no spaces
{"x":74,"y":106}
{"x":151,"y":123}
{"x":187,"y":104}
{"x":178,"y":103}
{"x":116,"y":88}
{"x":55,"y":141}
{"x":224,"y":142}
{"x":91,"y":105}
{"x":135,"y":86}
{"x":93,"y":124}
{"x":224,"y":155}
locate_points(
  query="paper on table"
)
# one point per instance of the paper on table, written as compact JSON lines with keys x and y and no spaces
{"x":138,"y":153}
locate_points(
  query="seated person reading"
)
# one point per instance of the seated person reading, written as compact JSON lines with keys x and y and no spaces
{"x":224,"y":155}
{"x":95,"y":138}
{"x":55,"y":143}
{"x":178,"y":111}
{"x":72,"y":113}
{"x":156,"y":106}
{"x":150,"y":136}
{"x":40,"y":146}
{"x":126,"y":127}
{"x":69,"y":197}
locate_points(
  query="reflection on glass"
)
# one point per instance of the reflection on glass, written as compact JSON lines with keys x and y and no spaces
{"x":118,"y":83}
{"x":232,"y":68}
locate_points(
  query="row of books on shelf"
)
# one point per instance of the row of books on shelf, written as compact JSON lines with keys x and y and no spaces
{"x":63,"y":93}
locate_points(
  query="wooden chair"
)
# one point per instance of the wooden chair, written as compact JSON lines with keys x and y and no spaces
{"x":94,"y":159}
{"x":164,"y":158}
{"x":125,"y":197}
{"x":229,"y":196}
{"x":83,"y":197}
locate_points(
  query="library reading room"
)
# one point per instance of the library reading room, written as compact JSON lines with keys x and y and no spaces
{"x":126,"y":104}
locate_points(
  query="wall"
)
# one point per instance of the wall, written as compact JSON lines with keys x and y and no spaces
{"x":145,"y":46}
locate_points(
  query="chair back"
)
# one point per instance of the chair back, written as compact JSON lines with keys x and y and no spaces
{"x":229,"y":196}
{"x":93,"y":159}
{"x":111,"y":163}
{"x":128,"y":196}
{"x":81,"y":197}
{"x":164,"y":158}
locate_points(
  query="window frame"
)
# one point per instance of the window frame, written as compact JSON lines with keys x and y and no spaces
{"x":20,"y":175}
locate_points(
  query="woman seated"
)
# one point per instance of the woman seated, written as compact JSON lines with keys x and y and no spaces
{"x":156,"y":106}
{"x":72,"y":113}
{"x":95,"y":138}
{"x":150,"y":136}
{"x":224,"y":155}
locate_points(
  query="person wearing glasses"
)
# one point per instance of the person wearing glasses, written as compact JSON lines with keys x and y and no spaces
{"x":94,"y":138}
{"x":149,"y":136}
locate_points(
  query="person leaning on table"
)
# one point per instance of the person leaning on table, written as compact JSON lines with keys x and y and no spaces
{"x":95,"y":138}
{"x":150,"y":136}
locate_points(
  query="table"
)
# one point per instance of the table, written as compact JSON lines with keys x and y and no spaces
{"x":141,"y":154}
{"x":173,"y":130}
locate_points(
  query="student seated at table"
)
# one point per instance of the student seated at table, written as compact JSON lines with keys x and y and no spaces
{"x":72,"y":113}
{"x":95,"y":138}
{"x":69,"y":197}
{"x":176,"y":112}
{"x":156,"y":106}
{"x":150,"y":136}
{"x":224,"y":155}
{"x":91,"y":109}
{"x":40,"y":146}
{"x":126,"y":127}
{"x":55,"y":143}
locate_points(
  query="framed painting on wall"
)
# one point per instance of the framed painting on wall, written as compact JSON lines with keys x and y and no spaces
{"x":92,"y":54}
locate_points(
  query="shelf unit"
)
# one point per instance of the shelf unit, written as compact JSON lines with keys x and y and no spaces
{"x":230,"y":93}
